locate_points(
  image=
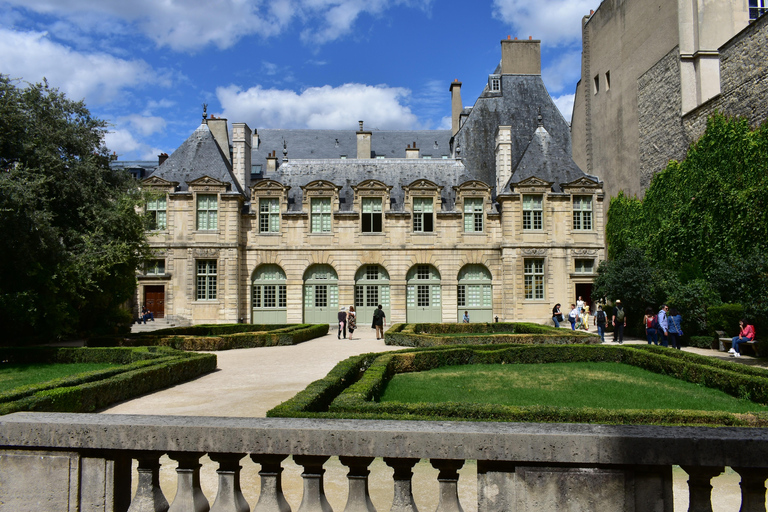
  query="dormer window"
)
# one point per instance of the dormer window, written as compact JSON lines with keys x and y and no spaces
{"x":494,"y":83}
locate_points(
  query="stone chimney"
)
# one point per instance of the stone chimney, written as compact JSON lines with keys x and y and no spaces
{"x":162,"y":157}
{"x":363,"y":143}
{"x":218,"y":127}
{"x":520,"y":57}
{"x":241,"y":153}
{"x":412,"y":151}
{"x":271,"y":163}
{"x":503,"y":157}
{"x":456,"y":106}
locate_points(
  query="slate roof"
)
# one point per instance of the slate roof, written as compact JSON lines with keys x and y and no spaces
{"x":396,"y":173}
{"x":332,"y":144}
{"x":545,"y":159}
{"x":198,"y":156}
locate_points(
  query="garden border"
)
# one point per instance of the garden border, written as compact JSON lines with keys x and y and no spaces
{"x":429,"y":335}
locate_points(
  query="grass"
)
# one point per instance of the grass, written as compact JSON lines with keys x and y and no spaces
{"x":16,"y":375}
{"x":600,"y":385}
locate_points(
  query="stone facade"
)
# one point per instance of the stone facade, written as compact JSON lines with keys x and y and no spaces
{"x":495,"y":219}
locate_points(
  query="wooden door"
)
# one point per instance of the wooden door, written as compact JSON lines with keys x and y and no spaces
{"x":154,"y":298}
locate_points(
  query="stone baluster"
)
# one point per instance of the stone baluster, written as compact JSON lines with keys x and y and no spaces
{"x":271,"y":498}
{"x":359,"y":500}
{"x":149,"y":497}
{"x":700,"y":487}
{"x":403,"y":474}
{"x":752,"y":488}
{"x":229,"y":498}
{"x":189,"y":495}
{"x":449,"y":484}
{"x":314,"y":499}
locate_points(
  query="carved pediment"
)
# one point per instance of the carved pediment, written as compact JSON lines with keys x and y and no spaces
{"x":207,"y":183}
{"x":320,"y":186}
{"x":533,"y":252}
{"x":473,"y":186}
{"x":268,"y":187}
{"x":371,"y":186}
{"x":583,"y":182}
{"x":584,"y":252}
{"x":533,"y":182}
{"x":423,"y":185}
{"x":157,"y":182}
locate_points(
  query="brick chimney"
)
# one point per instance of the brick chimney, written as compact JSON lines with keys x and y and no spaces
{"x":456,"y":106}
{"x":520,"y":57}
{"x":162,"y":157}
{"x":363,"y":143}
{"x":412,"y":152}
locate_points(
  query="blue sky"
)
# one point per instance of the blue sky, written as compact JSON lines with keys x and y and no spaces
{"x":147,"y":66}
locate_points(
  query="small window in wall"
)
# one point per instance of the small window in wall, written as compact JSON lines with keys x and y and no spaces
{"x":156,"y":211}
{"x":207,"y":212}
{"x":495,"y":83}
{"x":255,"y":170}
{"x":422,"y":215}
{"x":206,"y":280}
{"x":321,"y":215}
{"x":607,"y":80}
{"x":532,"y":213}
{"x":582,"y":213}
{"x":534,"y":278}
{"x":269,"y":215}
{"x":757,"y":8}
{"x":372,"y":215}
{"x":585,"y":266}
{"x":597,"y":83}
{"x":473,"y":215}
{"x":343,"y":157}
{"x":154,"y":268}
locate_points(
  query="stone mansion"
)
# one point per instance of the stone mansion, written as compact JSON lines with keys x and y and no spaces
{"x":492,"y":217}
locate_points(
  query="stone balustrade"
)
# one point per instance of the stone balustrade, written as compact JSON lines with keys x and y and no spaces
{"x":69,"y":462}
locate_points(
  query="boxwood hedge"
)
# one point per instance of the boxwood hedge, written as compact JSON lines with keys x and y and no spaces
{"x":368,"y":375}
{"x":142,"y":371}
{"x":429,"y":335}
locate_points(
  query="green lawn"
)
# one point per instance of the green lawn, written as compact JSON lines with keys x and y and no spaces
{"x":15,"y":375}
{"x":601,"y":385}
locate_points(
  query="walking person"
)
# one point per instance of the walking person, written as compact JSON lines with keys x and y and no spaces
{"x":619,"y":321}
{"x":580,"y":305}
{"x":601,"y":320}
{"x":675,"y":332}
{"x":351,"y":321}
{"x":651,"y":330}
{"x":557,"y":315}
{"x":342,"y":316}
{"x":663,"y":331}
{"x":573,"y":316}
{"x":586,"y":317}
{"x":379,"y":319}
{"x":746,"y":333}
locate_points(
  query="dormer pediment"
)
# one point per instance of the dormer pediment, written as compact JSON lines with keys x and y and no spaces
{"x":371,"y":186}
{"x":473,"y":187}
{"x":269,"y":188}
{"x":207,"y":184}
{"x":320,"y":186}
{"x":533,"y":182}
{"x":423,"y":186}
{"x":159,"y":183}
{"x":582,"y":184}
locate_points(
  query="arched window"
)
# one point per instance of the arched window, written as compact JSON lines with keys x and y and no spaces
{"x":268,"y":296}
{"x":321,"y":295}
{"x":371,"y":289}
{"x":474,"y":294}
{"x":423,"y":295}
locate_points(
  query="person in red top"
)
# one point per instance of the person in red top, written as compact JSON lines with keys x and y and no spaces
{"x":746,"y":333}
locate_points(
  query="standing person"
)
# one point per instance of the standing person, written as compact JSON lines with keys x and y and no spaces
{"x":675,"y":321}
{"x":342,"y":316}
{"x":379,"y":319}
{"x":557,"y":316}
{"x":580,"y":305}
{"x":619,"y":321}
{"x":586,"y":317}
{"x":351,"y":321}
{"x":746,"y":333}
{"x":663,"y":329}
{"x":650,"y":327}
{"x":573,"y":316}
{"x":466,"y":317}
{"x":601,"y":320}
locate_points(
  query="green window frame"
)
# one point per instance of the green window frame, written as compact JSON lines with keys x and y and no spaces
{"x":206,"y":280}
{"x":582,"y":213}
{"x":473,"y":215}
{"x":157,"y":212}
{"x":534,"y":279}
{"x":154,"y":268}
{"x":372,"y":215}
{"x":207,"y":212}
{"x":533,"y":213}
{"x":423,"y":209}
{"x":585,"y":266}
{"x":269,"y":215}
{"x":321,"y":215}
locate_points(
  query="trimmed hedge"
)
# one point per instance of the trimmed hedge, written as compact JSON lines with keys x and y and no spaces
{"x":222,"y":337}
{"x":145,"y":370}
{"x":358,"y":399}
{"x":429,"y":335}
{"x":701,"y":341}
{"x":724,"y":317}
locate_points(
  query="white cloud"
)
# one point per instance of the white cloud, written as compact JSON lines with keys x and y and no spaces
{"x":96,"y":77}
{"x":194,"y":24}
{"x":122,"y":142}
{"x":145,"y":125}
{"x":326,"y":107}
{"x":563,"y":72}
{"x":555,"y":22}
{"x":565,"y":105}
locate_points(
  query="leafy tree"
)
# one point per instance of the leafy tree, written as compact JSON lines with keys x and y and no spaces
{"x":72,"y":232}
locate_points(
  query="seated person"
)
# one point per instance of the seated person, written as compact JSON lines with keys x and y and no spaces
{"x":746,"y":334}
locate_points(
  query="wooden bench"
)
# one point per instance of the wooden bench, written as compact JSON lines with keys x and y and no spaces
{"x":726,"y":342}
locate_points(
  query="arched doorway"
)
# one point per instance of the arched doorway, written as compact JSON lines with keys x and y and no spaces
{"x":474,"y":294}
{"x":423,"y":295}
{"x":268,"y":296}
{"x":321,"y":295}
{"x":371,"y":289}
